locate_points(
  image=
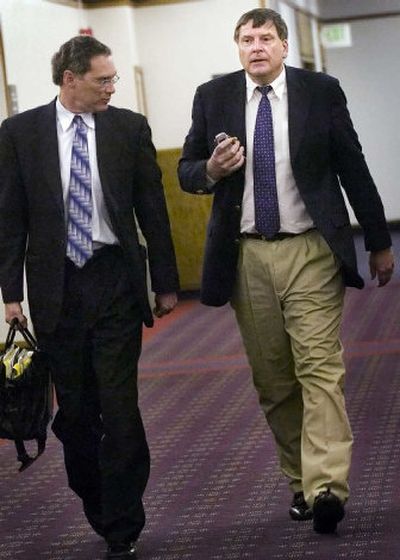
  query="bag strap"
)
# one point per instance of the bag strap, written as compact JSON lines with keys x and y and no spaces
{"x":23,"y":456}
{"x":10,"y":335}
{"x":15,"y":325}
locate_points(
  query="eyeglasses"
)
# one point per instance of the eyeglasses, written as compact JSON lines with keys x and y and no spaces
{"x":104,"y":82}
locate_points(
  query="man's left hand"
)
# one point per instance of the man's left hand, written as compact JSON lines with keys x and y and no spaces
{"x":381,"y":265}
{"x":165,"y":303}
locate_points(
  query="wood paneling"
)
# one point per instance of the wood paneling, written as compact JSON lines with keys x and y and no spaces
{"x":189,"y":216}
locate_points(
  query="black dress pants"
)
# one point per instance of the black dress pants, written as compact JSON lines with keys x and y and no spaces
{"x":94,"y":353}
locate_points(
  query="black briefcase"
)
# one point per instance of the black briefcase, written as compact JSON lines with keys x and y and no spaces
{"x":26,"y":394}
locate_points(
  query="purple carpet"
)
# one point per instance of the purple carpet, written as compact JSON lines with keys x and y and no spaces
{"x":215,"y":490}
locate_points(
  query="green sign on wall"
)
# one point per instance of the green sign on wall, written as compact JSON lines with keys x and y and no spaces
{"x":336,"y":35}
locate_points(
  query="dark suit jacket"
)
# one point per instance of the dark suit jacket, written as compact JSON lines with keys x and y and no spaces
{"x":32,"y":222}
{"x":324,"y":151}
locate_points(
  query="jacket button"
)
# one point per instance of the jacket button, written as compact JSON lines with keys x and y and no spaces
{"x":237,"y":240}
{"x":238,"y":207}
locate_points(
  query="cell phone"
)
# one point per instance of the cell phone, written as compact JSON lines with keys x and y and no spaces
{"x":220,"y":137}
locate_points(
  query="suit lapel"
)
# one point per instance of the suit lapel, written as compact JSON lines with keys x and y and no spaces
{"x":48,"y":150}
{"x":105,"y":149}
{"x":298,"y":106}
{"x":108,"y":148}
{"x":234,"y":106}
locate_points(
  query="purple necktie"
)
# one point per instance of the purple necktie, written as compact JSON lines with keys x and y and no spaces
{"x":265,"y":195}
{"x":79,"y":236}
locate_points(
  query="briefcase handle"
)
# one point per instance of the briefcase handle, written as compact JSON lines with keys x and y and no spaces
{"x":15,"y":326}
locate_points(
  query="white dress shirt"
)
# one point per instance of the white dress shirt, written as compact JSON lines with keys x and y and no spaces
{"x":293,"y":214}
{"x":102,"y":232}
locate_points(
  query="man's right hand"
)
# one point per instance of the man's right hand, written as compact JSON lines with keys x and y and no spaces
{"x":14,"y":311}
{"x":227,"y":157}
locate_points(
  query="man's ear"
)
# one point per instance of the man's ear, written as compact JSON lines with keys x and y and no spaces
{"x":286,"y":48}
{"x":68,"y":78}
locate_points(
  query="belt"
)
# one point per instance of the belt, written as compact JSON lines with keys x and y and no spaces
{"x":105,"y":249}
{"x":277,"y":237}
{"x":99,"y":252}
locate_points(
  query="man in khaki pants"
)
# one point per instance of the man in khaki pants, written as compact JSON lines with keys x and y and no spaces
{"x":280,"y":248}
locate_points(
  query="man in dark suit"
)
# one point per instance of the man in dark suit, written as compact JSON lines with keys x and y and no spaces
{"x":280,"y":249}
{"x":74,"y":174}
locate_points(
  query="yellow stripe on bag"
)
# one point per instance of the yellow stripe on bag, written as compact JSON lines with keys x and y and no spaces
{"x":24,"y":359}
{"x":9,"y":359}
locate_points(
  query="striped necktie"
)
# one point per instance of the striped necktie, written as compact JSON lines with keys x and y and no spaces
{"x":79,"y":224}
{"x":266,"y":206}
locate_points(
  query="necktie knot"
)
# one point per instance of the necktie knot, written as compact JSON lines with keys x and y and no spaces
{"x":264,"y":90}
{"x":80,"y":124}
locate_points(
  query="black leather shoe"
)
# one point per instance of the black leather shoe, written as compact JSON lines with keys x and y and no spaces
{"x":121,"y":551}
{"x":328,"y":510}
{"x":299,"y":510}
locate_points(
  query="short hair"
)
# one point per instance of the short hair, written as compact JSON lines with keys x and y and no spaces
{"x":259,"y":17}
{"x":76,"y":55}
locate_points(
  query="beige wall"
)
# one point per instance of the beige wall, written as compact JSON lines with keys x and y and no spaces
{"x":32,"y":32}
{"x":369,"y":76}
{"x":182,"y":46}
{"x":116,"y":28}
{"x":178,"y":47}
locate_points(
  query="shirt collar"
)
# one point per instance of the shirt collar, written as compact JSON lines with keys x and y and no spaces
{"x":65,"y":117}
{"x":278,"y":85}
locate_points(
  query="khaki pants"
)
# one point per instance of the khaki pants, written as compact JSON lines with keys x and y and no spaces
{"x":288,"y":302}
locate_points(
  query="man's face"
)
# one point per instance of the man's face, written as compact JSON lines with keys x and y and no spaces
{"x":91,"y":92}
{"x":261,"y":51}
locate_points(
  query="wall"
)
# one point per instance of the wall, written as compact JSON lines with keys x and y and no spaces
{"x":183,"y":45}
{"x":116,"y":28}
{"x":367,"y":72}
{"x":286,"y":9}
{"x":34,"y":29}
{"x":178,"y":47}
{"x":289,"y":16}
{"x":30,"y":37}
{"x":330,"y":9}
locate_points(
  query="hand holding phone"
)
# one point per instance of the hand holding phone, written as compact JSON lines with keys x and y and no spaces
{"x":220,"y":137}
{"x":227,"y":159}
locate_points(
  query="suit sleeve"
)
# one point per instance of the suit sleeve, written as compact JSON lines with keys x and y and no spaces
{"x":13,"y":219}
{"x":151,"y":212}
{"x":192,"y":165}
{"x":355,"y":178}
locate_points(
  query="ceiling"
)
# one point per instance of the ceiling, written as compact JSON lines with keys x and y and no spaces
{"x":110,"y":3}
{"x":327,"y":9}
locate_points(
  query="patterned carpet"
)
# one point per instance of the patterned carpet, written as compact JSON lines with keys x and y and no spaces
{"x":215,"y":491}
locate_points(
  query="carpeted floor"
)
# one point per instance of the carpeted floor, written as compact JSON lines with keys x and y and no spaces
{"x":215,"y":491}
